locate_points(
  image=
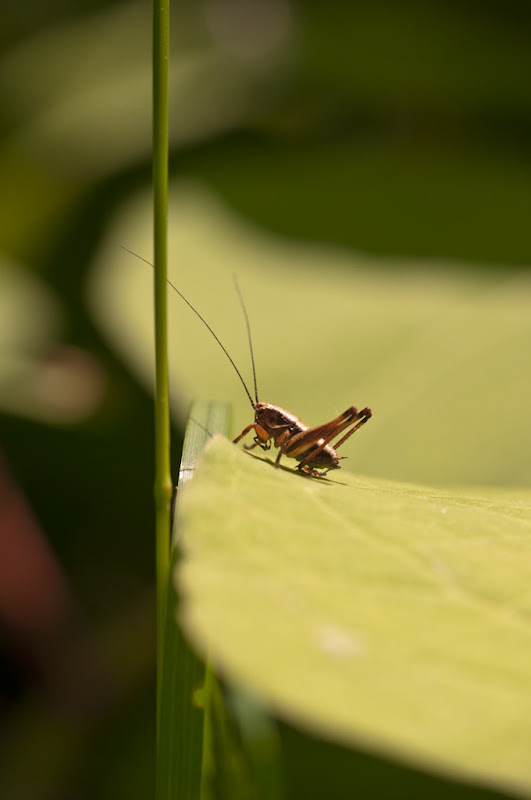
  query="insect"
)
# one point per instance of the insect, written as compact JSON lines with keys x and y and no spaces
{"x":311,"y":447}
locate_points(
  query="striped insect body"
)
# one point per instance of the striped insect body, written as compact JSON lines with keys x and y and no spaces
{"x":311,"y":447}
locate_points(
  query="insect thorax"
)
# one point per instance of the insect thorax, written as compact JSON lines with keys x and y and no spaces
{"x":276,"y":418}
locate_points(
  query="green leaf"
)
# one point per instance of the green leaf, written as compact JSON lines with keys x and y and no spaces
{"x":391,"y":617}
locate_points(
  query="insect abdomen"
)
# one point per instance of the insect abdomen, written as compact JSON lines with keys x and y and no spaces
{"x":327,"y":457}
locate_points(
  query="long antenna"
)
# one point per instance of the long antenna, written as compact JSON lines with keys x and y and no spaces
{"x":237,"y":285}
{"x":204,"y":323}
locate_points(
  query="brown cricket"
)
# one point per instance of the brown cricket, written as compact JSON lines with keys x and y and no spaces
{"x":311,"y":447}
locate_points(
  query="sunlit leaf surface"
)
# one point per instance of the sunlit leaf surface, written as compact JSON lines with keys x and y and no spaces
{"x":390,"y":616}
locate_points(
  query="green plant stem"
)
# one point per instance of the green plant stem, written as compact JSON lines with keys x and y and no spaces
{"x":181,"y":753}
{"x":163,"y":482}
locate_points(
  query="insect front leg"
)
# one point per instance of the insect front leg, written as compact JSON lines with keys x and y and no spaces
{"x":261,"y":439}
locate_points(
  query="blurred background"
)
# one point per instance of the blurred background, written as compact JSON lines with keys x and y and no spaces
{"x":398,"y":130}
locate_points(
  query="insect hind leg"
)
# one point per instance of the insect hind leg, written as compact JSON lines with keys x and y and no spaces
{"x":360,"y":419}
{"x":311,"y":472}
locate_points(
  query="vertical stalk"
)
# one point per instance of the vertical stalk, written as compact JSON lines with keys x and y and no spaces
{"x":163,"y":482}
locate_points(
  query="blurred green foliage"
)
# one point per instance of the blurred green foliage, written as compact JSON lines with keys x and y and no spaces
{"x":396,"y":128}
